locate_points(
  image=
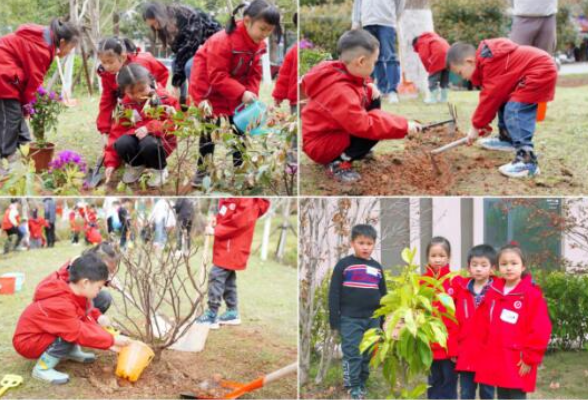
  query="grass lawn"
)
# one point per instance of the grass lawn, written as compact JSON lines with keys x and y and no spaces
{"x":266,"y":341}
{"x":560,"y":142}
{"x":568,"y":369}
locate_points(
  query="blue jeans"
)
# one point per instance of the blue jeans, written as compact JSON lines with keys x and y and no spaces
{"x":468,"y":387}
{"x":356,"y":366}
{"x":519,"y":120}
{"x":387,"y":71}
{"x":442,"y":380}
{"x":160,"y":233}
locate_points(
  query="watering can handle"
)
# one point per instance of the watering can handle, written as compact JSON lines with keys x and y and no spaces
{"x":240,"y":107}
{"x":279,"y":374}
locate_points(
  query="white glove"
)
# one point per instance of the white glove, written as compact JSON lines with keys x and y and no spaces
{"x":414,"y":127}
{"x":473,"y":135}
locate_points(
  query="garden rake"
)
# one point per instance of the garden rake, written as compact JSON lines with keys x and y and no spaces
{"x":8,"y":382}
{"x":451,"y":123}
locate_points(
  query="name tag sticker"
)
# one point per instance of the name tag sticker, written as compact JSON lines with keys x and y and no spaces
{"x":509,"y":317}
{"x":223,"y":210}
{"x":372,"y":271}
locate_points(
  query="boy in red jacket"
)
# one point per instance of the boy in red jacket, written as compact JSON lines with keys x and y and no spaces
{"x":432,"y":50}
{"x":233,"y":234}
{"x":514,"y":79}
{"x":61,"y":319}
{"x":36,"y":225}
{"x":287,"y":82}
{"x":10,"y":225}
{"x":471,"y":294}
{"x":342,"y":121}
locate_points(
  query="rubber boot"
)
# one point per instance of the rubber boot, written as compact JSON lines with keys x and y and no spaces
{"x":77,"y":355}
{"x":44,"y":370}
{"x":432,"y":97}
{"x":443,"y":95}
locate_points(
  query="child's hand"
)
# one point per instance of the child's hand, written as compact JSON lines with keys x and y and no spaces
{"x":473,"y":135}
{"x":414,"y":127}
{"x":524,"y":368}
{"x":205,"y":107}
{"x":122,"y":341}
{"x":248,"y":97}
{"x":376,"y":94}
{"x":103,"y":320}
{"x":141,"y":133}
{"x":209,"y":230}
{"x":108,"y":174}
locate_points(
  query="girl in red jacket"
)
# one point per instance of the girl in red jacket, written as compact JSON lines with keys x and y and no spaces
{"x":115,"y":53}
{"x":287,"y":82}
{"x":233,"y":233}
{"x":61,"y":319}
{"x":442,"y":378}
{"x":515,"y":329}
{"x":141,"y":142}
{"x":227,"y":70}
{"x":25,"y":57}
{"x":432,"y":50}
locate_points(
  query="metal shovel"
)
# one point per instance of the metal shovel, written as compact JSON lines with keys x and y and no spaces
{"x":452,"y":123}
{"x":95,"y":175}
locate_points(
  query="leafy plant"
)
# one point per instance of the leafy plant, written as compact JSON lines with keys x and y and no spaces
{"x":44,"y":110}
{"x":22,"y":177}
{"x":413,"y":323}
{"x":66,"y":173}
{"x":311,"y":57}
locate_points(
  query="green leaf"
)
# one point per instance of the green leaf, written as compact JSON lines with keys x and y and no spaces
{"x":425,"y":353}
{"x":408,"y":255}
{"x":370,"y":337}
{"x":410,"y":323}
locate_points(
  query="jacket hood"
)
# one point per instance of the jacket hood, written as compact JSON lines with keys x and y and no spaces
{"x":491,"y":50}
{"x":323,"y":76}
{"x":50,"y":288}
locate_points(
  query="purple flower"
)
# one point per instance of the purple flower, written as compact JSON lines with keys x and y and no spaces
{"x":67,"y":158}
{"x":41,"y":91}
{"x":52,"y":95}
{"x":306,"y":44}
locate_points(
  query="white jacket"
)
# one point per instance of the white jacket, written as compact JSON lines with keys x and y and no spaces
{"x":534,"y":8}
{"x":377,"y":12}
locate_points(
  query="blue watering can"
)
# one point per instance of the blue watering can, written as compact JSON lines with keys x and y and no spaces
{"x":251,"y":117}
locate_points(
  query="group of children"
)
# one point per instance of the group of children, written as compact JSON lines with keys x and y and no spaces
{"x":502,"y":330}
{"x":342,"y":121}
{"x":226,"y":72}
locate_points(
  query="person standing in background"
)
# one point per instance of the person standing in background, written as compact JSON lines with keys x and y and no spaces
{"x":534,"y":24}
{"x":379,"y":17}
{"x":50,"y":216}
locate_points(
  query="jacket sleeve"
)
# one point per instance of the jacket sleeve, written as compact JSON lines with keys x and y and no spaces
{"x":335,"y":297}
{"x":198,"y":87}
{"x":356,"y":12}
{"x":281,"y":89}
{"x":106,"y":106}
{"x":94,"y":313}
{"x":241,"y":220}
{"x":160,"y":73}
{"x":33,"y":59}
{"x":218,"y":67}
{"x":255,"y":74}
{"x":354,"y":119}
{"x":538,"y":332}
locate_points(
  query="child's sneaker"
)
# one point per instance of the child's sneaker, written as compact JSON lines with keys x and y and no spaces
{"x":343,"y":171}
{"x":496,"y":144}
{"x":132,"y":174}
{"x":44,"y":370}
{"x":392,"y":98}
{"x":356,"y":393}
{"x":76,"y":354}
{"x":210,"y":318}
{"x":158,"y":178}
{"x":432,"y":97}
{"x":523,"y":166}
{"x":444,"y":96}
{"x":199,"y":178}
{"x":230,"y":317}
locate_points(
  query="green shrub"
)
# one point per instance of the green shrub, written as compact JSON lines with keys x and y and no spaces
{"x":311,"y":57}
{"x":567,"y":32}
{"x":324,"y":25}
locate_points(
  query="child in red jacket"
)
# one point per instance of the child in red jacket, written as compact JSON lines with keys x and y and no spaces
{"x":227,"y":71}
{"x":514,"y":79}
{"x":36,"y":225}
{"x":442,"y":378}
{"x":287,"y":82}
{"x":60,"y":320}
{"x":342,"y":121}
{"x":470,"y":296}
{"x":25,"y":58}
{"x":75,"y":225}
{"x":233,"y":233}
{"x":115,"y":53}
{"x":142,"y":141}
{"x":515,"y":329}
{"x":432,"y":50}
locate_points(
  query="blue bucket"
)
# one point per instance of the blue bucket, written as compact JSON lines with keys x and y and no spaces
{"x":19,"y":278}
{"x":251,"y":118}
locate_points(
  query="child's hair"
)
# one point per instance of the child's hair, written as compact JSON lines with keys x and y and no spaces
{"x":518,"y":251}
{"x":105,"y":251}
{"x":363,"y":230}
{"x":133,"y":74}
{"x":356,"y":39}
{"x":483,"y":251}
{"x":257,"y":10}
{"x":65,"y":30}
{"x":88,"y":266}
{"x":117,"y":46}
{"x":439,"y":240}
{"x":415,"y":40}
{"x":35,"y":213}
{"x":295,"y":19}
{"x":458,"y":52}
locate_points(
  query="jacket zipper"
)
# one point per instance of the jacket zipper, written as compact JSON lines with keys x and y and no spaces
{"x":229,"y":245}
{"x":465,"y":306}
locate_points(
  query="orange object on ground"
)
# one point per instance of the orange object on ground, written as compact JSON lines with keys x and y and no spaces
{"x":541,"y":112}
{"x":7,"y":285}
{"x":132,"y":360}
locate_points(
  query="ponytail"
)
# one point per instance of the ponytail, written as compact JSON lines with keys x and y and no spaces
{"x":65,"y":30}
{"x":257,"y":10}
{"x":232,"y":24}
{"x":117,"y":46}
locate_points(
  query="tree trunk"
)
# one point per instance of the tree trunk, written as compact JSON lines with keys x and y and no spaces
{"x":284,"y":229}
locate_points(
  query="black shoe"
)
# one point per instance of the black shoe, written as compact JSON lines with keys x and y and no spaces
{"x":198,"y":178}
{"x":343,"y":171}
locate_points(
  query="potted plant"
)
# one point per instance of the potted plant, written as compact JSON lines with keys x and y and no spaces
{"x":43,"y":111}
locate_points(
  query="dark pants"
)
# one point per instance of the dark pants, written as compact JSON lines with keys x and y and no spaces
{"x":359,"y":147}
{"x":184,"y":230}
{"x":504,"y":393}
{"x":468,"y":387}
{"x":13,"y":129}
{"x":442,"y":380}
{"x":207,"y":146}
{"x":439,"y":80}
{"x":517,"y":123}
{"x":387,"y":71}
{"x":50,"y":234}
{"x":356,"y":366}
{"x":222,"y":284}
{"x":124,"y":233}
{"x":103,"y":301}
{"x":148,"y":152}
{"x":10,"y":233}
{"x":538,"y":32}
{"x":75,"y":238}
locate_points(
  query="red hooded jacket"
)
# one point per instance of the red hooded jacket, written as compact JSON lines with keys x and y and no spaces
{"x":25,"y":58}
{"x":451,"y":286}
{"x":337,"y":109}
{"x":74,"y":224}
{"x":36,"y":227}
{"x":110,"y":88}
{"x":224,"y":68}
{"x":467,"y":315}
{"x":57,"y":312}
{"x":432,"y":50}
{"x":287,"y":82}
{"x":233,"y":234}
{"x":6,"y":224}
{"x":507,"y":72}
{"x":161,"y":128}
{"x":514,"y":327}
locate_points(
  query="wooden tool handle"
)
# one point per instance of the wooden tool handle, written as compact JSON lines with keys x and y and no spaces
{"x":279,"y":374}
{"x":450,"y":146}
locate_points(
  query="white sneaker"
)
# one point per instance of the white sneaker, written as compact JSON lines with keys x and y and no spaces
{"x":392,"y":98}
{"x":132,"y":174}
{"x":158,"y":178}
